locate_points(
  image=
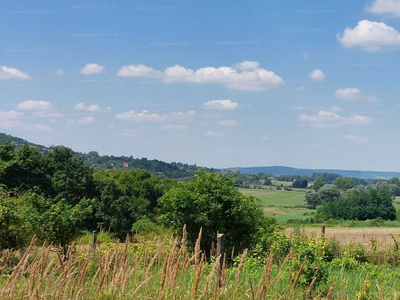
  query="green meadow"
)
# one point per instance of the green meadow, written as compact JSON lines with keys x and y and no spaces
{"x":280,"y":204}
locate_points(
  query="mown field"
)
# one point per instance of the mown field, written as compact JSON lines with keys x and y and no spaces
{"x":280,"y":204}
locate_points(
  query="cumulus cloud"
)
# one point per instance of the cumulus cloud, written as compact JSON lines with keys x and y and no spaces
{"x":146,"y":116}
{"x":247,"y":65}
{"x":370,"y":36}
{"x":12,"y":120}
{"x":39,"y":110}
{"x":86,"y":120}
{"x":227,"y":123}
{"x":12,"y":73}
{"x":328,"y":119}
{"x":93,"y":107}
{"x":34,"y":105}
{"x":220,"y":105}
{"x":389,"y":7}
{"x":356,"y":139}
{"x":247,"y":79}
{"x":317,"y":74}
{"x":353,"y":94}
{"x":130,"y":132}
{"x":212,"y":133}
{"x":92,"y":69}
{"x":174,"y":127}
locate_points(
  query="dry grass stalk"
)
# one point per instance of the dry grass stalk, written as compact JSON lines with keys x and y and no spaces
{"x":296,"y":280}
{"x":210,"y":277}
{"x":175,"y":273}
{"x":265,"y":278}
{"x":141,"y":285}
{"x":184,"y":240}
{"x":50,"y":280}
{"x":105,"y":271}
{"x":199,"y":273}
{"x":309,"y":290}
{"x":7,"y":259}
{"x":163,"y":276}
{"x":330,"y":292}
{"x":241,"y":266}
{"x":197,"y":247}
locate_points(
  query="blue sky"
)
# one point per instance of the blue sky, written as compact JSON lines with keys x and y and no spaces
{"x":307,"y":84}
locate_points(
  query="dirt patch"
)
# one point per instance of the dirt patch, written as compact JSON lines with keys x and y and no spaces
{"x":274,"y":211}
{"x":355,"y":235}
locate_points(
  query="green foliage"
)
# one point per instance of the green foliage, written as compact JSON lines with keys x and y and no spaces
{"x":12,"y":222}
{"x":59,"y":223}
{"x":211,"y":202}
{"x":300,"y":183}
{"x":125,"y":197}
{"x":326,"y":177}
{"x":318,"y":183}
{"x":314,"y":252}
{"x":312,"y":199}
{"x":360,"y":204}
{"x":343,"y":183}
{"x":145,"y":226}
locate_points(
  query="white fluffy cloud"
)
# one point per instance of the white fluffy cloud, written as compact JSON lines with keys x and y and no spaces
{"x":92,"y":69}
{"x":220,"y":105}
{"x":227,"y":123}
{"x":248,"y":79}
{"x":129,"y":132}
{"x":35,"y":105}
{"x":328,"y":119}
{"x":390,"y":7}
{"x":12,"y":73}
{"x":93,"y":107}
{"x":174,"y":127}
{"x":370,"y":36}
{"x":39,"y":109}
{"x":212,"y":133}
{"x":86,"y":120}
{"x":317,"y":74}
{"x":352,"y":94}
{"x":13,"y":120}
{"x":247,"y":65}
{"x":146,"y":116}
{"x":356,"y":139}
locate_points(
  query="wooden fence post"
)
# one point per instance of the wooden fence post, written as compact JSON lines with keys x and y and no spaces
{"x":323,"y":232}
{"x":94,"y":239}
{"x":220,"y":254}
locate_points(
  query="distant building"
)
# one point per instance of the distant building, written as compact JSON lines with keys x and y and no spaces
{"x":271,"y":178}
{"x":126,"y":165}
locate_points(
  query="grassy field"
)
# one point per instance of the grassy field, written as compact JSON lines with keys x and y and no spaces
{"x":162,"y":268}
{"x":285,"y":205}
{"x":282,"y":205}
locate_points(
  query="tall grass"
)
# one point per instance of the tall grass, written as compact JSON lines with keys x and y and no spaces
{"x":164,"y":268}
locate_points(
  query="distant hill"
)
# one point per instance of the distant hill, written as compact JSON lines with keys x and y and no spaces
{"x":185,"y":171}
{"x":6,"y":138}
{"x":279,"y":170}
{"x":100,"y":163}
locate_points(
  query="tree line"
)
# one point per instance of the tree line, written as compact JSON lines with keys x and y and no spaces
{"x":56,"y":196}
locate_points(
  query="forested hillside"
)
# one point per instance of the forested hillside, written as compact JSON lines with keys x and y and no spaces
{"x":100,"y":163}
